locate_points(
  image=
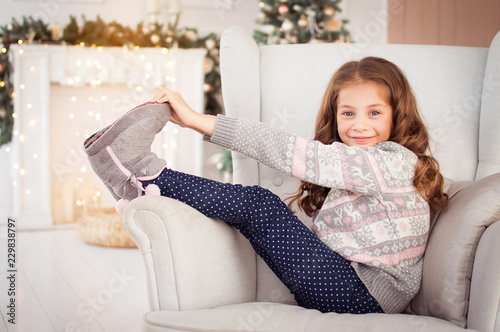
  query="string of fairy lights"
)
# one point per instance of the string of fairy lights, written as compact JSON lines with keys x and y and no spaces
{"x":94,"y":65}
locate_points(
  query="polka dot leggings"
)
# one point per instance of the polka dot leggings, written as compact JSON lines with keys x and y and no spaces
{"x":318,"y":277}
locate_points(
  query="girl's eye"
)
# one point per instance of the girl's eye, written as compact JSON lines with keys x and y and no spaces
{"x":347,"y":113}
{"x":374,"y":112}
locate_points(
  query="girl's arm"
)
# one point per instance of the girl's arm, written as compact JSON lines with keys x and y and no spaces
{"x":361,"y":170}
{"x":387,"y":167}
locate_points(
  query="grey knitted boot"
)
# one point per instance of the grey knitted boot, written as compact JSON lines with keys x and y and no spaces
{"x":121,"y":153}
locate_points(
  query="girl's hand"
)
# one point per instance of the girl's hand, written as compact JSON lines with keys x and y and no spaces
{"x":183,"y":115}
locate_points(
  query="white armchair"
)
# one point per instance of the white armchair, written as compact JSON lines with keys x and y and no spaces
{"x":204,"y":276}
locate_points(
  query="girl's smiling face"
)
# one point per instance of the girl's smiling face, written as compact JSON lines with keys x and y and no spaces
{"x":364,"y":116}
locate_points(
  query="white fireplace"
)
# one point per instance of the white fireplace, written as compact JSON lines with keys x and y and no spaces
{"x":65,"y":93}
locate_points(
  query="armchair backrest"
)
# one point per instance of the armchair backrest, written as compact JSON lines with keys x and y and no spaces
{"x":457,"y":89}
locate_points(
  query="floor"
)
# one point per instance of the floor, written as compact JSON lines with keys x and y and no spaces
{"x":64,"y":284}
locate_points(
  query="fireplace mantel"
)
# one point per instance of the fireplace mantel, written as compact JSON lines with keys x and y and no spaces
{"x":37,"y":67}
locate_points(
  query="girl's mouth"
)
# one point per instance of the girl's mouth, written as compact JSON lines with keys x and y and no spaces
{"x":361,"y":139}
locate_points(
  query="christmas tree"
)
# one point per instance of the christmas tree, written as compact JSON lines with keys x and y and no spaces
{"x":300,"y":21}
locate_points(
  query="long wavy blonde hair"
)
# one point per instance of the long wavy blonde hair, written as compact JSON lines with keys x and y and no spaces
{"x":408,"y":129}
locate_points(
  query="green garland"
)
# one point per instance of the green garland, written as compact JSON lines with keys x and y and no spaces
{"x":99,"y":33}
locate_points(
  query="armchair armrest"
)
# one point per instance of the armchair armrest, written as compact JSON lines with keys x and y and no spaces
{"x":484,"y":307}
{"x":192,"y":262}
{"x":460,"y":253}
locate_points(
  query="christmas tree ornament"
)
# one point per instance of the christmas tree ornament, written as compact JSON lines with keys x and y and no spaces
{"x":287,"y":25}
{"x":2,"y":67}
{"x":283,"y":9}
{"x":207,"y":87}
{"x":146,"y":29}
{"x":56,"y":31}
{"x":333,"y":25}
{"x":210,"y":44}
{"x":302,"y":22}
{"x":208,"y":65}
{"x":310,"y":12}
{"x":268,"y":29}
{"x":3,"y":113}
{"x":330,"y":11}
{"x":191,"y":35}
{"x":155,"y":39}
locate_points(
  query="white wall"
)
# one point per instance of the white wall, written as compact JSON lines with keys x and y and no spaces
{"x":367,"y":20}
{"x":366,"y":16}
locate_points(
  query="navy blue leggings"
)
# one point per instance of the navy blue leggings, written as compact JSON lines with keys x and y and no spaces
{"x":318,"y":277}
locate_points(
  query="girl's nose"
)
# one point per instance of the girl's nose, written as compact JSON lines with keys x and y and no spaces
{"x":360,"y":125}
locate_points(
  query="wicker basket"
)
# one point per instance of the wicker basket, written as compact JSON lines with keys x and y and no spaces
{"x":104,"y":227}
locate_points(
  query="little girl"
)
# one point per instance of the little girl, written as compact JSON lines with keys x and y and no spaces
{"x":366,"y":178}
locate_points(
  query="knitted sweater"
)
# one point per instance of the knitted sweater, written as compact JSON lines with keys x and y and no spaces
{"x":372,"y":216}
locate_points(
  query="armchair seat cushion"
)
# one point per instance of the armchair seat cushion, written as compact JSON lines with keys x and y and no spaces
{"x":265,"y":316}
